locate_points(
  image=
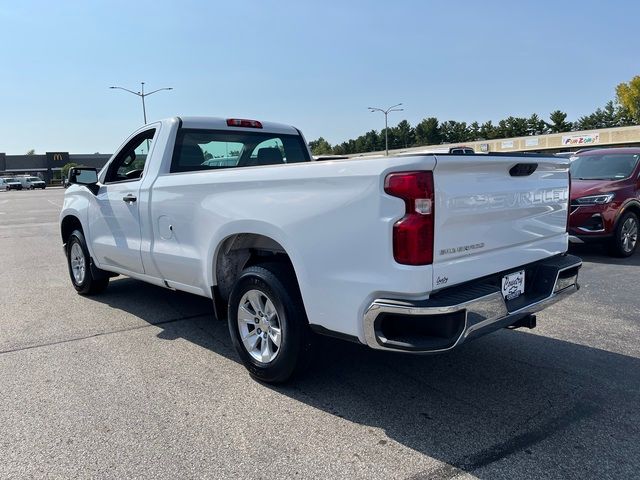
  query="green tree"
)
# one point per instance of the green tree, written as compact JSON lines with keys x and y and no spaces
{"x":558,"y":122}
{"x":623,"y":117}
{"x":31,"y":152}
{"x":406,"y":134}
{"x":611,"y":115}
{"x":474,"y":131}
{"x":454,"y":132}
{"x":535,"y":125}
{"x":320,"y":147}
{"x":514,"y":127}
{"x":372,"y":141}
{"x":339,"y":150}
{"x":520,"y":126}
{"x":502,"y":129}
{"x":394,"y":139}
{"x":488,"y":131}
{"x":427,"y":132}
{"x":628,"y":96}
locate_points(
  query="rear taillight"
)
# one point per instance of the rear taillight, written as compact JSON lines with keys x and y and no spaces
{"x":413,"y":233}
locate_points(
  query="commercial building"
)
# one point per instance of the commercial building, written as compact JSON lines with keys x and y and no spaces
{"x":47,"y":166}
{"x":550,"y":143}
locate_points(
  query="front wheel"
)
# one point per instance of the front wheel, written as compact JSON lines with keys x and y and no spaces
{"x":625,"y":238}
{"x":268,"y":323}
{"x":80,"y":271}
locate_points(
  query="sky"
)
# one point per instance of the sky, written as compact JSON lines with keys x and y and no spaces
{"x":316,"y":65}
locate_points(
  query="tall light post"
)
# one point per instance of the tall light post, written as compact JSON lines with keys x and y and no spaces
{"x":141,"y":94}
{"x":386,"y":127}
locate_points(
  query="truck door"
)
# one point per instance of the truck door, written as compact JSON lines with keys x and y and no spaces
{"x":114,"y":216}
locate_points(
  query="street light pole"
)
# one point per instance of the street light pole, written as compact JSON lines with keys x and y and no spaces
{"x":142,"y":95}
{"x":144,"y":110}
{"x":386,"y":126}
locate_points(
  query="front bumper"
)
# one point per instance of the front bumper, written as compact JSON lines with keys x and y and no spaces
{"x":469,"y":310}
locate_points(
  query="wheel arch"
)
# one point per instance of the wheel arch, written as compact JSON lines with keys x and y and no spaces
{"x":68,"y":224}
{"x":237,"y":251}
{"x":630,"y":206}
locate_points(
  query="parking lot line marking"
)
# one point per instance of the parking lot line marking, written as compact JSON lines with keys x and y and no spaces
{"x":101,"y":334}
{"x":54,"y":204}
{"x":25,"y":225}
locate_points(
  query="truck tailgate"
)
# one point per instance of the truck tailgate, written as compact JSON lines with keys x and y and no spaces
{"x":493,"y":213}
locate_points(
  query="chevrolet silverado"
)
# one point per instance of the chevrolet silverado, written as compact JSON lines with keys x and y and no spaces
{"x":415,"y":253}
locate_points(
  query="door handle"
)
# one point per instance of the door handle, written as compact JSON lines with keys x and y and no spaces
{"x":129,"y":198}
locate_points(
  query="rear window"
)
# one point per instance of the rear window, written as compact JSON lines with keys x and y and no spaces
{"x":216,"y":149}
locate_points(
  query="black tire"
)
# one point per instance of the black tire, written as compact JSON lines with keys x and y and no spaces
{"x":278,"y":283}
{"x":90,"y":284}
{"x":618,"y":246}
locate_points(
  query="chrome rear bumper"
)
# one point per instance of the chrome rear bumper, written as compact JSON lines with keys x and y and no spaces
{"x":483,"y":311}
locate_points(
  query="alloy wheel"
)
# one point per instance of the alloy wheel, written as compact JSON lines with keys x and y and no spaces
{"x":76,"y":258}
{"x":629,"y":234}
{"x":259,"y":326}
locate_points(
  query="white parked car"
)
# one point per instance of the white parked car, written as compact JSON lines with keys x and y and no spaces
{"x":412,"y":254}
{"x":31,"y":183}
{"x":10,"y":183}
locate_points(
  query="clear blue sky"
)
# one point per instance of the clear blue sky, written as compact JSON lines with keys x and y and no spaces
{"x":316,"y":65}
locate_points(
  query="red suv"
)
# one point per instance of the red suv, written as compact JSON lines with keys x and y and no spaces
{"x":605,"y":198}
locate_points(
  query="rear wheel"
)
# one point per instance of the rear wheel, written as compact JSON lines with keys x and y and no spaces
{"x":85,"y":280}
{"x":625,"y":238}
{"x":268,"y":324}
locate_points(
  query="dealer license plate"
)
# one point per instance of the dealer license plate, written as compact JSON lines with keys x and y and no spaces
{"x":513,"y":285}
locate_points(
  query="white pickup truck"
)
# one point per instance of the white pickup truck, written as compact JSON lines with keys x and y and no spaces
{"x":413,"y":253}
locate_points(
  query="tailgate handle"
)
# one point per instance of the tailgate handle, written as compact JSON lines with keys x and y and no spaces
{"x":523,"y":169}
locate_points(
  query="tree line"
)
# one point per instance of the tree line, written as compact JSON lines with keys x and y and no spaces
{"x":624,"y":111}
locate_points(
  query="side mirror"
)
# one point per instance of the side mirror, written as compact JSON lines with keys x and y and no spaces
{"x":86,"y":176}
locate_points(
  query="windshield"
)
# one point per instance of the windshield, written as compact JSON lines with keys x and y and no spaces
{"x":614,"y":166}
{"x":33,"y":179}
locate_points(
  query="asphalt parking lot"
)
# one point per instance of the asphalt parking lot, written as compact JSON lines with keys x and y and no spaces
{"x":141,"y":382}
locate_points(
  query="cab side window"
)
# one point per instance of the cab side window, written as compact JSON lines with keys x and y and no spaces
{"x":129,"y":164}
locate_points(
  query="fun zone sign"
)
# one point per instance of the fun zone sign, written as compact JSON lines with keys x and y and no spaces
{"x":584,"y":139}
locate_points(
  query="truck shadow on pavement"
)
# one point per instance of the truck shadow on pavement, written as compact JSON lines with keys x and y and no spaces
{"x":512,"y":403}
{"x":598,"y":254}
